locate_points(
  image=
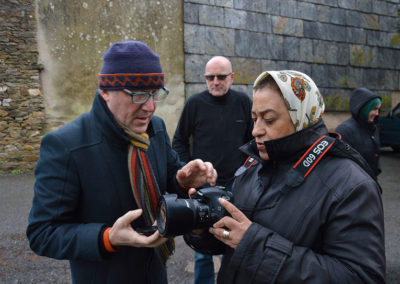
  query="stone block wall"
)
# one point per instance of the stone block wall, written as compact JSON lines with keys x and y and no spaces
{"x":22,"y":117}
{"x":50,"y":56}
{"x":73,"y":36}
{"x":341,"y":44}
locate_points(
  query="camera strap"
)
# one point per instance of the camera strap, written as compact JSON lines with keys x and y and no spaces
{"x":303,"y":167}
{"x":247,"y":165}
{"x":309,"y":160}
{"x":300,"y":170}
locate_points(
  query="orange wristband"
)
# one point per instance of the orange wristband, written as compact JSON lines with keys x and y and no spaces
{"x":108,"y":246}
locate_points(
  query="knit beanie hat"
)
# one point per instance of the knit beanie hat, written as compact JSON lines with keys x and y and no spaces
{"x":130,"y":65}
{"x":366,"y":109}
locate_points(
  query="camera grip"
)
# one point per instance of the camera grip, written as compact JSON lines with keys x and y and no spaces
{"x":147,"y":231}
{"x":205,"y":243}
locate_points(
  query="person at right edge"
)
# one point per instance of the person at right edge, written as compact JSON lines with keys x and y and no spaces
{"x":308,"y":209}
{"x":361,"y":130}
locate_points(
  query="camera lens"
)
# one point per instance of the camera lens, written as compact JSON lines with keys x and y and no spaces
{"x":180,"y":216}
{"x":161,"y":218}
{"x":175,"y":216}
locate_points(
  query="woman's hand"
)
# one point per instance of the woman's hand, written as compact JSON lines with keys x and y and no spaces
{"x":230,"y":230}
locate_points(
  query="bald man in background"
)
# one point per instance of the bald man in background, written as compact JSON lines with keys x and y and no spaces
{"x":219,"y":121}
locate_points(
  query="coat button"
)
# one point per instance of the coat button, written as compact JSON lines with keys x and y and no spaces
{"x":347,"y":147}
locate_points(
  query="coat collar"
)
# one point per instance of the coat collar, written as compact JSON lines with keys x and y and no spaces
{"x":289,"y":147}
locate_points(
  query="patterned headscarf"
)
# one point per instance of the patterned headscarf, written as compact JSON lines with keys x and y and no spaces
{"x":302,"y":97}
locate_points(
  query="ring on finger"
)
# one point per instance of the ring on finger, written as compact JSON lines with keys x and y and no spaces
{"x":225,"y":235}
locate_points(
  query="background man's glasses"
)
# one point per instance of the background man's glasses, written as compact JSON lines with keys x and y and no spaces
{"x":219,"y":77}
{"x":142,"y":97}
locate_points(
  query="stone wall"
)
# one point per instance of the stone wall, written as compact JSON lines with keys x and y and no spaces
{"x":73,"y":36}
{"x":22,"y":117}
{"x":341,"y":44}
{"x":51,"y":53}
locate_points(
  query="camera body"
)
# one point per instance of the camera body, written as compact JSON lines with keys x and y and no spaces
{"x":180,"y":216}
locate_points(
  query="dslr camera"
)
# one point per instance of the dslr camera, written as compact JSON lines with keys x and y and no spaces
{"x":178,"y":216}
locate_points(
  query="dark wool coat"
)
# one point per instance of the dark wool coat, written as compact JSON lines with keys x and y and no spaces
{"x":329,"y":229}
{"x":361,"y":135}
{"x":82,"y":185}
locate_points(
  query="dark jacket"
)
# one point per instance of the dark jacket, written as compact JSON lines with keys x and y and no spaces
{"x":361,"y":135}
{"x":82,"y":185}
{"x":218,"y":126}
{"x":329,"y":229}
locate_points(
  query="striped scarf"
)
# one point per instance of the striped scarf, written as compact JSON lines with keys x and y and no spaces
{"x":144,"y":185}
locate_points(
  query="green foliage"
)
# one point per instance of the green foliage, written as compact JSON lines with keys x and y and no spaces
{"x":386,"y":102}
{"x":343,"y":81}
{"x":395,"y":40}
{"x":357,"y":57}
{"x":17,"y":171}
{"x":336,"y":102}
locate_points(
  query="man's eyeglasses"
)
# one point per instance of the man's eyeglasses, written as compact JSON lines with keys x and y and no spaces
{"x":219,"y":77}
{"x":142,"y":97}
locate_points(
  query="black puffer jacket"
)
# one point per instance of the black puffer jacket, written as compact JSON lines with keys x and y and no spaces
{"x":361,"y":135}
{"x":329,"y":229}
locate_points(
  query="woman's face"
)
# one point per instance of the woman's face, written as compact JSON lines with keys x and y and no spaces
{"x":271,"y":118}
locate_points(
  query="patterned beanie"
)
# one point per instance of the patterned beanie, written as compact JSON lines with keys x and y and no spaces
{"x":130,"y":65}
{"x":302,"y":97}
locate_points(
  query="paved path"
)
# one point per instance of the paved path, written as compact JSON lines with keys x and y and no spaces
{"x":18,"y":264}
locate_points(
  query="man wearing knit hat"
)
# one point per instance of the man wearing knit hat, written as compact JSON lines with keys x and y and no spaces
{"x":360,"y":130}
{"x":99,"y":177}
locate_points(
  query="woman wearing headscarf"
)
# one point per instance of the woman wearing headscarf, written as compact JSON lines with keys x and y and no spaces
{"x":360,"y":130}
{"x":304,"y":209}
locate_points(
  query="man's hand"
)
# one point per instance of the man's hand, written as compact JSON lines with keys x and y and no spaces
{"x":230,"y":230}
{"x":197,"y":173}
{"x":122,"y":233}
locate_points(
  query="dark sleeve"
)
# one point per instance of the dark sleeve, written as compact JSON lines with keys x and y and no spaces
{"x":346,"y":132}
{"x":378,"y":145}
{"x":53,"y":229}
{"x":181,"y":140}
{"x":352,"y":247}
{"x":250,"y":123}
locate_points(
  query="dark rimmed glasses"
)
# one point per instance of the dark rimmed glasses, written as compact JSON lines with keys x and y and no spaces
{"x":142,"y":97}
{"x":220,"y":77}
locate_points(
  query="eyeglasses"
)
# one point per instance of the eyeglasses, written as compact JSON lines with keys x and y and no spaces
{"x":142,"y":97}
{"x":219,"y":77}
